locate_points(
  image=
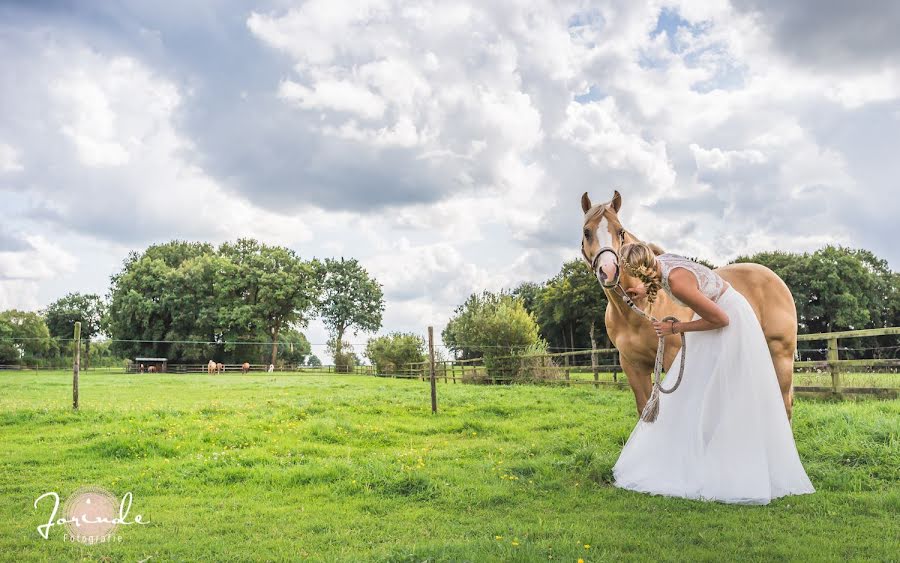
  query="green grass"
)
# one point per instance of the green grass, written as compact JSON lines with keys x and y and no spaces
{"x":282,"y":467}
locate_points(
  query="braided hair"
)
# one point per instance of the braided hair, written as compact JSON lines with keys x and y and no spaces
{"x":640,"y":261}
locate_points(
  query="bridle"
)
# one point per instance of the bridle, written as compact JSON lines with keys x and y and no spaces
{"x":595,"y":261}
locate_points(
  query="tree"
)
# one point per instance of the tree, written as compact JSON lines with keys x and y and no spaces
{"x":314,"y":361}
{"x":497,"y":328}
{"x":570,"y":307}
{"x":189,"y":301}
{"x":351,"y":301}
{"x":151,"y":301}
{"x":62,"y":314}
{"x":837,"y":288}
{"x":277,"y":289}
{"x":24,"y":338}
{"x":294,"y":346}
{"x":391,"y":352}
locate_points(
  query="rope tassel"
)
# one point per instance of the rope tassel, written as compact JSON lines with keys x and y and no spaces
{"x":651,"y":409}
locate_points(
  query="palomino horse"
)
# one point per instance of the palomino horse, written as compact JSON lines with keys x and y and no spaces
{"x":211,"y":367}
{"x":245,"y":367}
{"x":634,"y":337}
{"x":220,"y":368}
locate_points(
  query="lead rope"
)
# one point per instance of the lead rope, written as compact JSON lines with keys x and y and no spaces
{"x":651,"y":409}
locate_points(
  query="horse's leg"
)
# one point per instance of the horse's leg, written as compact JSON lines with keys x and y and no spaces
{"x":783,"y":359}
{"x":639,"y":380}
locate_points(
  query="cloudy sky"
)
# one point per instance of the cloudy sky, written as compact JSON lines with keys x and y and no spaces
{"x":443,"y":143}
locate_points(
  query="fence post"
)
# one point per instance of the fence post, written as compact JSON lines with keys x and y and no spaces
{"x":616,"y":368}
{"x":566,"y":360}
{"x":833,"y":356}
{"x":77,"y":366}
{"x":431,"y":365}
{"x":594,"y":366}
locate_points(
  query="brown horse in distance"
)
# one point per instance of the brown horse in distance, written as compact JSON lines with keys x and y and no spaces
{"x":245,"y":367}
{"x":634,"y":336}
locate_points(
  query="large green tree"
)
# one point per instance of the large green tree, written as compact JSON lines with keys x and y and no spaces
{"x":351,"y":301}
{"x":149,"y":306}
{"x":62,"y":314}
{"x":192,"y":302}
{"x":276,"y":289}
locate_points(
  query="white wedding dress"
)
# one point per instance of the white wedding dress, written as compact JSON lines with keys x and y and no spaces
{"x":723,"y":434}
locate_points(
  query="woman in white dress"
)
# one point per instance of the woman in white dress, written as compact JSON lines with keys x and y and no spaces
{"x":723,"y":434}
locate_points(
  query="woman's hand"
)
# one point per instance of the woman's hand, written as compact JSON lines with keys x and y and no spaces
{"x":665,"y":328}
{"x":637,"y":292}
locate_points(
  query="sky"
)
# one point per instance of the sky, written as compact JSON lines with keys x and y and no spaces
{"x":445,"y":144}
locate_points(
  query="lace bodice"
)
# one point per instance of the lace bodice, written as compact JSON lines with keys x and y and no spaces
{"x":710,"y":283}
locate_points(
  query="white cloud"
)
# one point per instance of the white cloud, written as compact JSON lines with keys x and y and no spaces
{"x":22,"y":271}
{"x":10,"y":159}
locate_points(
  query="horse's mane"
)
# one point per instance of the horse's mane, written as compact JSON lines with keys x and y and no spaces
{"x":657,"y":249}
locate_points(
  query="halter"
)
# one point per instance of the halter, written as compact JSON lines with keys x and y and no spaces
{"x":595,"y":263}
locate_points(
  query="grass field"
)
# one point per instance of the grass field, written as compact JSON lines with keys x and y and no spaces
{"x":282,"y":467}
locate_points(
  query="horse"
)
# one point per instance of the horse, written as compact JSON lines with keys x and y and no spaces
{"x":220,"y":368}
{"x":245,"y":367}
{"x":211,"y":367}
{"x":771,"y":299}
{"x":271,"y":368}
{"x":151,"y":369}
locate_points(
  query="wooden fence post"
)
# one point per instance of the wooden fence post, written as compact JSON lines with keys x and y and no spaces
{"x":431,"y":364}
{"x":616,"y":368}
{"x":77,"y":366}
{"x":833,"y":356}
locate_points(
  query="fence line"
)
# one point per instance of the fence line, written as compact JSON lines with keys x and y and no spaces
{"x":545,"y":368}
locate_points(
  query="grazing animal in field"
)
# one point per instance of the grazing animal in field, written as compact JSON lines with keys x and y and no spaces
{"x":142,"y":368}
{"x":211,"y":367}
{"x":151,"y":369}
{"x":602,"y":237}
{"x":245,"y":368}
{"x":271,"y":368}
{"x":220,"y":368}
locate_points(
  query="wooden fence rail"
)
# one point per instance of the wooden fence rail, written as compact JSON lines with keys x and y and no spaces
{"x":546,"y":368}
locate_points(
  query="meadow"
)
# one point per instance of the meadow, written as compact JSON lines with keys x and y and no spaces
{"x":275,"y":467}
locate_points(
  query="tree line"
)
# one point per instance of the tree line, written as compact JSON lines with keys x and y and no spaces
{"x":191,"y":302}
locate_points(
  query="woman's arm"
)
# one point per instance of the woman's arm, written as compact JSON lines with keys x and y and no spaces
{"x":684,"y":286}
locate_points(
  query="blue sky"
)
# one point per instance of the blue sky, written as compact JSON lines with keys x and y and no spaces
{"x":444,"y":144}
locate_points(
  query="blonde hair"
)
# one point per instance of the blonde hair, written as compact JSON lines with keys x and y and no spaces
{"x":639,"y":259}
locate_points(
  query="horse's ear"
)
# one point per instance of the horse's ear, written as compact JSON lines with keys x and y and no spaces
{"x":585,"y":202}
{"x":616,"y":201}
{"x":657,"y":249}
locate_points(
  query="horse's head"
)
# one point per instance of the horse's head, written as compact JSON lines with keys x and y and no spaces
{"x":602,"y":236}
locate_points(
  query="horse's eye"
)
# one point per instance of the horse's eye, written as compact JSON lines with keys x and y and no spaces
{"x":587,"y":233}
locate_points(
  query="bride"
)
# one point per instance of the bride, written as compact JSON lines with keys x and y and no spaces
{"x":724,"y":434}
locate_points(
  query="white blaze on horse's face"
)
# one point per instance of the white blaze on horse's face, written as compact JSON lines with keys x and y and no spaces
{"x":606,"y":267}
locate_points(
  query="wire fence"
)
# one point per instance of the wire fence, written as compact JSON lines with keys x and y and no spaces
{"x":847,"y":362}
